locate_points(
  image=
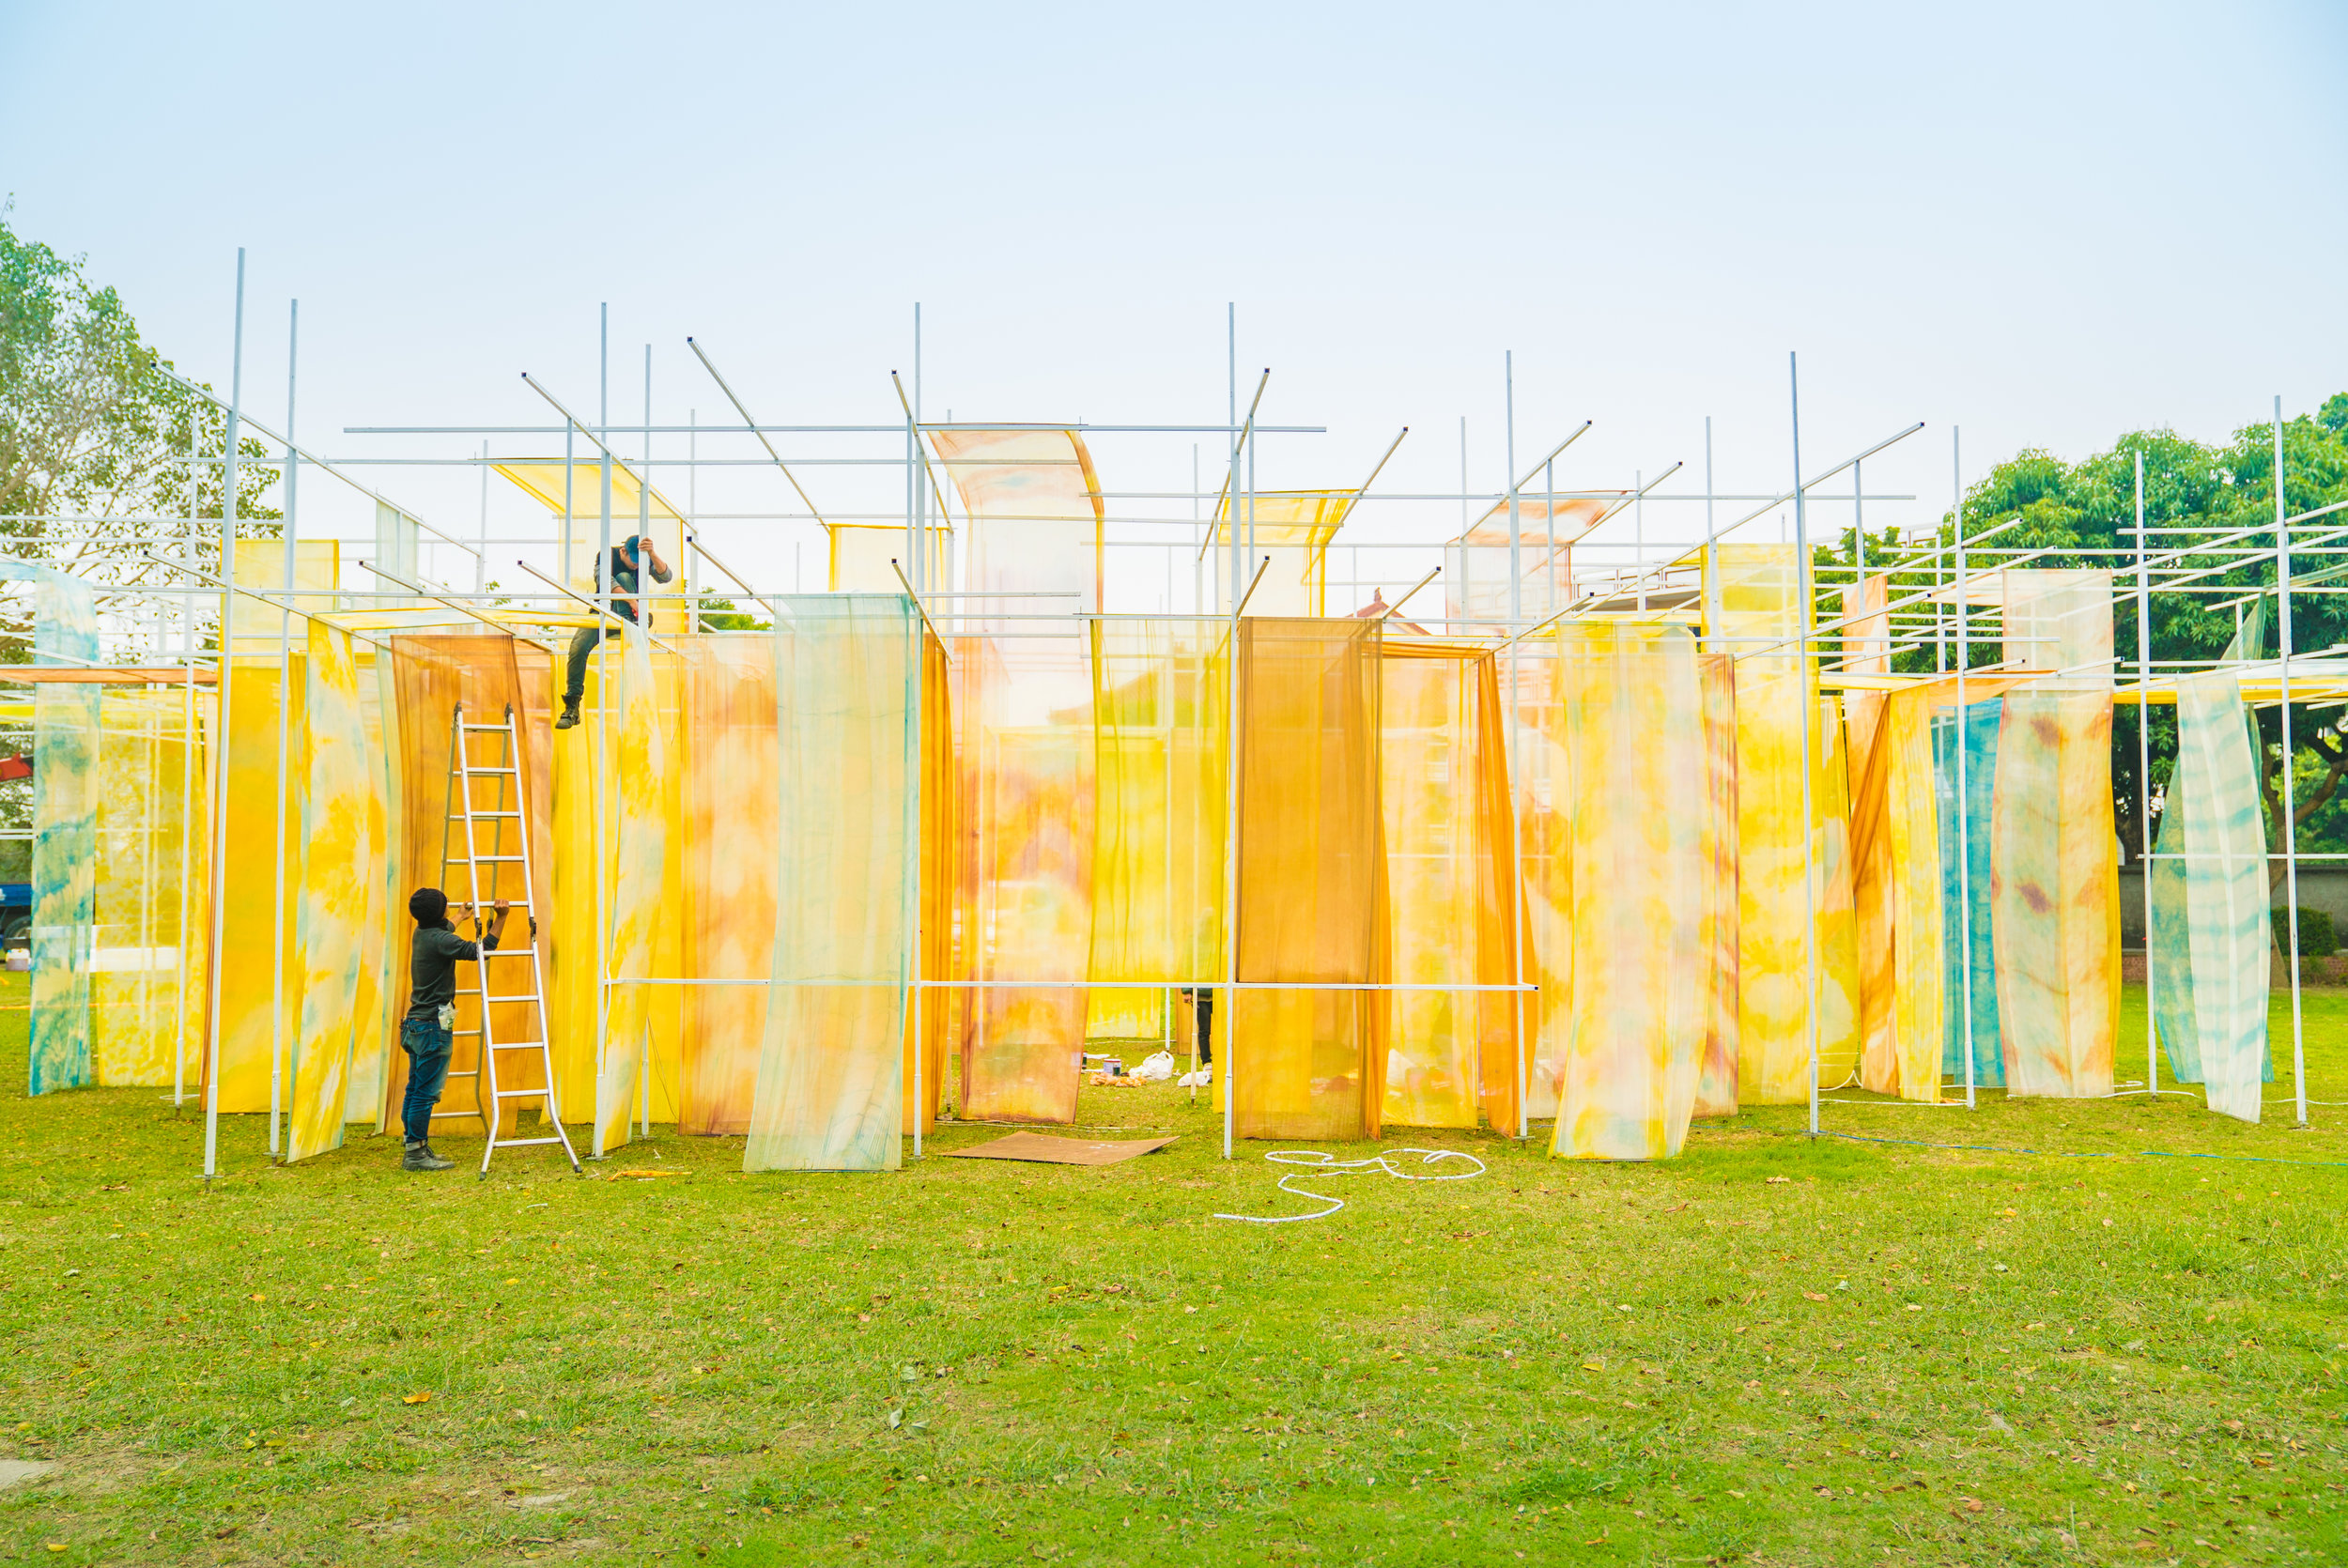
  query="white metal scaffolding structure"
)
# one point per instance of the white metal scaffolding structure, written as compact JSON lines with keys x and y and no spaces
{"x":167,"y":618}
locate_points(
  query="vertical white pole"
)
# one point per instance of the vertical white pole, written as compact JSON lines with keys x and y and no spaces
{"x":1516,"y":843}
{"x":643,"y":611}
{"x":1809,"y":721}
{"x":481,"y":556}
{"x":2290,"y":833}
{"x":606,"y":808}
{"x":2144,"y":780}
{"x":1964,"y":742}
{"x":187,"y":776}
{"x":1467,"y":554}
{"x":1232,"y":687}
{"x":220,"y":800}
{"x":285,"y":747}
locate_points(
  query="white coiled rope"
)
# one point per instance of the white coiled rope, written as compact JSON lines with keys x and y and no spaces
{"x":1322,"y":1163}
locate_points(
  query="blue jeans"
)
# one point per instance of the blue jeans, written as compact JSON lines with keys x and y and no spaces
{"x":427,"y":1045}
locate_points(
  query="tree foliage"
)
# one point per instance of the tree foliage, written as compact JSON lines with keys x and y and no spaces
{"x":2083,"y":514}
{"x":96,"y":440}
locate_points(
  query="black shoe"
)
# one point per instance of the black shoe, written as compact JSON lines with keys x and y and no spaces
{"x":420,"y":1158}
{"x":570,"y":717}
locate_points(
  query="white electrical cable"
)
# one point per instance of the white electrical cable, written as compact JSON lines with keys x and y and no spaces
{"x":1322,"y":1163}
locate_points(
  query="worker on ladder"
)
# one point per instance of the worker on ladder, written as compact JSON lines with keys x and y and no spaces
{"x":624,"y":567}
{"x":427,"y":1030}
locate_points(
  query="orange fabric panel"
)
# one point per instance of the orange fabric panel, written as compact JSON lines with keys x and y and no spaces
{"x":731,"y":788}
{"x":1027,"y":823}
{"x":432,"y":674}
{"x":1443,"y":798}
{"x":1308,"y":1063}
{"x":929,"y":1015}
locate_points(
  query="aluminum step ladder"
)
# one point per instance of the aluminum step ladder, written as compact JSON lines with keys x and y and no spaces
{"x":503,"y":823}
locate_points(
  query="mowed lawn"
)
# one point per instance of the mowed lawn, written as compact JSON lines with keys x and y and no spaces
{"x":1774,"y":1350}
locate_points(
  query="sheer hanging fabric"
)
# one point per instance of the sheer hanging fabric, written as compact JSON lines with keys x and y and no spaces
{"x":1642,"y":958}
{"x":847,"y":680}
{"x":1308,"y":1045}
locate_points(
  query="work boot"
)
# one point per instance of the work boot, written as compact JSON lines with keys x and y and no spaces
{"x":420,"y":1158}
{"x":570,"y":714}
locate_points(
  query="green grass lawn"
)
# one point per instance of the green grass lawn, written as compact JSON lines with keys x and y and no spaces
{"x":1773,"y":1350}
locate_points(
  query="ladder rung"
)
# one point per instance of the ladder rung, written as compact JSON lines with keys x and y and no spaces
{"x":470,"y":772}
{"x":458,"y":860}
{"x":521,"y":1045}
{"x":521,"y":1094}
{"x":491,"y":729}
{"x":517,"y":953}
{"x":460,"y":816}
{"x":522,"y":1142}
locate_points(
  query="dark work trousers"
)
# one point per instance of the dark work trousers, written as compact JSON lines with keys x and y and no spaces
{"x":1204,"y":1000}
{"x":575,"y":677}
{"x":427,"y":1047}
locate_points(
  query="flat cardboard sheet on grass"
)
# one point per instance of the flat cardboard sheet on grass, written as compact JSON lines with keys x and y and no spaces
{"x":1062,"y":1152}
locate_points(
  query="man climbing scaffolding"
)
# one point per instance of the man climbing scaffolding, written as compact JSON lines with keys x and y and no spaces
{"x":624,"y":567}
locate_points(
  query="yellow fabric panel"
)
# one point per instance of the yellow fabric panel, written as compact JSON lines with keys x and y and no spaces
{"x":1775,"y":695}
{"x":1027,"y":765}
{"x":861,"y":555}
{"x":727,"y":899}
{"x":1290,"y":528}
{"x":637,"y":799}
{"x":1307,"y":1063}
{"x":1640,"y":1009}
{"x":339,"y":922}
{"x":574,"y":898}
{"x":1475,"y":564}
{"x":253,"y":624}
{"x":1160,"y":694}
{"x":1443,"y":797}
{"x":377,"y":1040}
{"x":1544,"y":807}
{"x":1034,"y":511}
{"x":1716,"y":1084}
{"x":150,"y":877}
{"x":250,"y":897}
{"x":929,"y":1018}
{"x":848,"y":671}
{"x":1913,"y":828}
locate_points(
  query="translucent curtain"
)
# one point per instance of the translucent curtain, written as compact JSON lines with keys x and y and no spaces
{"x":1290,"y":529}
{"x":1544,"y":805}
{"x":1306,"y":1062}
{"x":1967,"y":919}
{"x":1160,"y":690}
{"x":65,"y":721}
{"x":1028,"y":803}
{"x":1896,"y":852}
{"x":1475,"y":564}
{"x":1716,"y":1084}
{"x":733,"y":787}
{"x":1025,"y":792}
{"x":2211,"y":936}
{"x":636,"y":842}
{"x":149,"y":878}
{"x":930,"y":1016}
{"x":1760,"y":616}
{"x":2054,"y":859}
{"x":1443,"y":794}
{"x":251,"y":906}
{"x":432,"y":674}
{"x":336,"y":961}
{"x":1641,"y":1010}
{"x":828,"y":1094}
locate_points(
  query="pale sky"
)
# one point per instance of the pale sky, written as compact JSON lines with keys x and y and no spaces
{"x":2044,"y":223}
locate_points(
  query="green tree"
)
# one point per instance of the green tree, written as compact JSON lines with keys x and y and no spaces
{"x":96,"y":443}
{"x":2083,"y":515}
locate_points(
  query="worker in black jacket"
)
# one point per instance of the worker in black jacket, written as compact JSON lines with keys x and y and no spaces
{"x":625,"y":560}
{"x":426,"y":1031}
